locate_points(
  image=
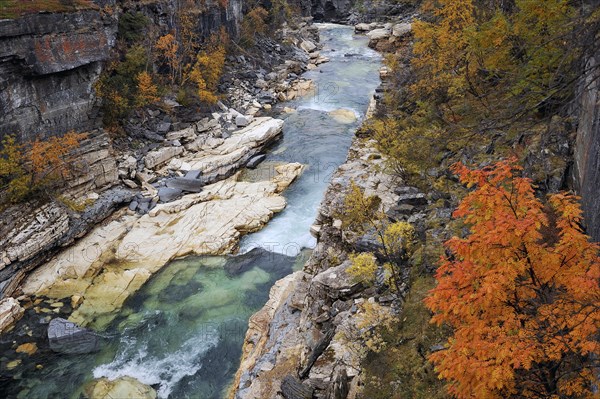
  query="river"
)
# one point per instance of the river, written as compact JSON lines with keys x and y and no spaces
{"x":182,"y":333}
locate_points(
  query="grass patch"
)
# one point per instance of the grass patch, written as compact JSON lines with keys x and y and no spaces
{"x":10,"y":9}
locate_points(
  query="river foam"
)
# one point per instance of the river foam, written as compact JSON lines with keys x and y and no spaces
{"x":137,"y":361}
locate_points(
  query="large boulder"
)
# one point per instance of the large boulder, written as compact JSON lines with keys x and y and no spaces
{"x":69,"y":338}
{"x":378,"y":34}
{"x":336,"y":282}
{"x":400,"y":30}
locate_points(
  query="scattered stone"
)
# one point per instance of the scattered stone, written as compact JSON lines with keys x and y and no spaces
{"x":378,"y":34}
{"x":400,"y":30}
{"x":29,"y":348}
{"x":122,"y":388}
{"x":188,"y":134}
{"x":13,"y":364}
{"x":130,"y":183}
{"x":307,"y":46}
{"x":163,"y":127}
{"x":261,"y":84}
{"x":133,"y":205}
{"x":168,"y":194}
{"x":362,"y":27}
{"x":193,"y":174}
{"x":288,"y":110}
{"x":243,"y":120}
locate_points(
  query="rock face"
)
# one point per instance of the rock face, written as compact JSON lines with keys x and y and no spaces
{"x":587,"y":150}
{"x":48,"y":64}
{"x":295,"y":344}
{"x":68,"y":338}
{"x":115,"y":259}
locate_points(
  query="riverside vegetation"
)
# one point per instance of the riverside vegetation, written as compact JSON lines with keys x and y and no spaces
{"x":516,"y":297}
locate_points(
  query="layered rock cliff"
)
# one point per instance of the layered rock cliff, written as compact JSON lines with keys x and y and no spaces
{"x":48,"y":65}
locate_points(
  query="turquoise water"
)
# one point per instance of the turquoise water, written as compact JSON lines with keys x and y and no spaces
{"x":182,"y":333}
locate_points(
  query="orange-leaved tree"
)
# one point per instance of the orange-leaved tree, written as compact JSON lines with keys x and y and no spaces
{"x":520,"y":292}
{"x":168,"y":49}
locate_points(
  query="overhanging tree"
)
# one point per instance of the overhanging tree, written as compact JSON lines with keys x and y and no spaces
{"x":520,"y":293}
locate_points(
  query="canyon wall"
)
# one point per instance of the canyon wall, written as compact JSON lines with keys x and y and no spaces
{"x":48,"y":65}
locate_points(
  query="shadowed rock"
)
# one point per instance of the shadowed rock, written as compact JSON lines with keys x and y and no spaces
{"x":69,"y":338}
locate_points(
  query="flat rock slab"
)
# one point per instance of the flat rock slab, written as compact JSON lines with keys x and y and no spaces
{"x":69,"y":338}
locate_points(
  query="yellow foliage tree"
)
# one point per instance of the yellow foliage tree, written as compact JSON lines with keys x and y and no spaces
{"x":147,"y":92}
{"x":207,"y":70}
{"x":168,"y":49}
{"x":361,"y":214}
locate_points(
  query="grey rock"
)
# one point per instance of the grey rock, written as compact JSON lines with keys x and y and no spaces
{"x":185,"y":184}
{"x":243,"y":120}
{"x":253,"y":162}
{"x":68,"y":338}
{"x":163,"y":127}
{"x":193,"y":174}
{"x":167,"y":194}
{"x":260,"y":83}
{"x":133,"y":205}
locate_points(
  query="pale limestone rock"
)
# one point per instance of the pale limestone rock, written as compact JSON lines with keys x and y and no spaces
{"x":219,"y":156}
{"x":400,"y":30}
{"x":161,"y":156}
{"x":122,"y":388}
{"x":65,"y":272}
{"x":10,"y":312}
{"x":362,"y":27}
{"x":308,"y":46}
{"x":378,"y":34}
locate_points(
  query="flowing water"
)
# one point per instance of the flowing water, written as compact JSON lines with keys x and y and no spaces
{"x":182,"y":333}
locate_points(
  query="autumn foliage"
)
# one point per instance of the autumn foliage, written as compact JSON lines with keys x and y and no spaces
{"x":39,"y":165}
{"x":520,"y":293}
